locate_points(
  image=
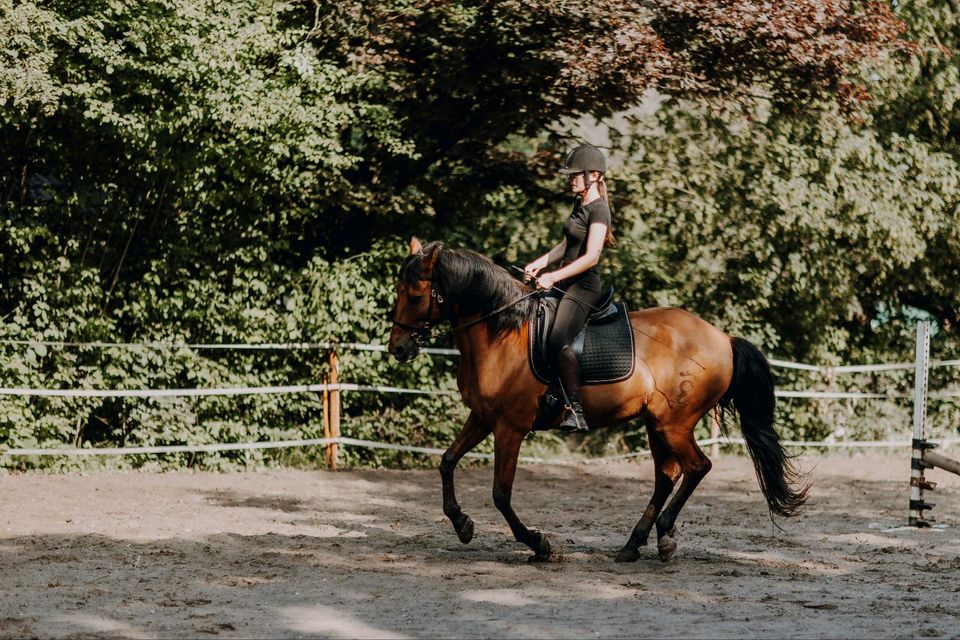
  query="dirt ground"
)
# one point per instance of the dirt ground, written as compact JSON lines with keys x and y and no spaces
{"x":369,"y":554}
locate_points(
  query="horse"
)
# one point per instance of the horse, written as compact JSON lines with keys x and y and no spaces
{"x":684,"y":367}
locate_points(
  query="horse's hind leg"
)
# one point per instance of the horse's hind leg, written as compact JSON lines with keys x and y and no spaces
{"x":694,"y":465}
{"x":472,"y":433}
{"x":666,"y":473}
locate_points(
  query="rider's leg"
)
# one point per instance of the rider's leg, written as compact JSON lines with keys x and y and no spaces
{"x":569,"y":370}
{"x":550,"y":403}
{"x":571,"y":316}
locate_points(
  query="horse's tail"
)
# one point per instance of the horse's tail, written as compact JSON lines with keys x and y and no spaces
{"x":751,"y":393}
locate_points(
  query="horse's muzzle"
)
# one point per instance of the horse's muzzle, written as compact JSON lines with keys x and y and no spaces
{"x":405,"y":351}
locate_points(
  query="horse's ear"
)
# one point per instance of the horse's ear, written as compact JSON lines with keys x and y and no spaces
{"x":431,"y":258}
{"x":415,"y":246}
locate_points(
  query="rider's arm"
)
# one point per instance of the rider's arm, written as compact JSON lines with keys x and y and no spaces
{"x":554,"y":255}
{"x":596,"y":235}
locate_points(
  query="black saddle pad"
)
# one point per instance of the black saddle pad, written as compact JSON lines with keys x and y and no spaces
{"x":604,"y":348}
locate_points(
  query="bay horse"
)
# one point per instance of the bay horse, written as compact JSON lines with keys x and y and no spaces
{"x":685,"y":367}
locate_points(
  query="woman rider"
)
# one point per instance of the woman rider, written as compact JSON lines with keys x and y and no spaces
{"x":585,"y":233}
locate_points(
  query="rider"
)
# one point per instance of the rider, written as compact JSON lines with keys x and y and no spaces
{"x":576,"y":281}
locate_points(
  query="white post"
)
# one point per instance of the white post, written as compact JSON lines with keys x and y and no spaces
{"x":917,"y":482}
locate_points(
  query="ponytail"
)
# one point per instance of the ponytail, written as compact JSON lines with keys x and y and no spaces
{"x":609,"y":241}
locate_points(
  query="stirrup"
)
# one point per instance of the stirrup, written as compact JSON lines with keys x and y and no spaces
{"x":548,"y":408}
{"x":573,"y":420}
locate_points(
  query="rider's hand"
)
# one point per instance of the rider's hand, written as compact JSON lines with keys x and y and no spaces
{"x":546,"y":281}
{"x":531,"y":270}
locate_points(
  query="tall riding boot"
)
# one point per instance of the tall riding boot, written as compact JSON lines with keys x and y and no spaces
{"x":569,"y":370}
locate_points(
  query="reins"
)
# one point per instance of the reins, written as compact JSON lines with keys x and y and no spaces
{"x":489,"y":315}
{"x":424,"y":333}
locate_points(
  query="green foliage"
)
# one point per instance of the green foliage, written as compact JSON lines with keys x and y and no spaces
{"x":789,"y":232}
{"x":204,"y":172}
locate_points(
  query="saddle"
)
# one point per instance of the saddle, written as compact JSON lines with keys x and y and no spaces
{"x":604,"y":347}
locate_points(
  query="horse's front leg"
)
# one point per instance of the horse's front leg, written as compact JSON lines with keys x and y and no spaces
{"x":472,"y":433}
{"x":506,"y":451}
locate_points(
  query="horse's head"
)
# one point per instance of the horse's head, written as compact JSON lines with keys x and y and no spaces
{"x":417,"y":309}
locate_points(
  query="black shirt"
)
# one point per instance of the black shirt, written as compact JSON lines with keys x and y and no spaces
{"x":575,"y":232}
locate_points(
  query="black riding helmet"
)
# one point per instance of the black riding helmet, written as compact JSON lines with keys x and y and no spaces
{"x":584,"y":158}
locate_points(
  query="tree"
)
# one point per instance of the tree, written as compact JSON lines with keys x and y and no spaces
{"x":205,"y":170}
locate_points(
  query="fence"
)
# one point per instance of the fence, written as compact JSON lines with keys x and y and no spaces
{"x":331,"y":387}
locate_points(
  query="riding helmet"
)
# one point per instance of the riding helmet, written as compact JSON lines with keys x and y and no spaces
{"x":586,"y":157}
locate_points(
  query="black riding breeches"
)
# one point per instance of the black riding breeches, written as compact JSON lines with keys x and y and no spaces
{"x":572,"y":311}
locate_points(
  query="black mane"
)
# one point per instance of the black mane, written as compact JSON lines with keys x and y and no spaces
{"x":477,"y":285}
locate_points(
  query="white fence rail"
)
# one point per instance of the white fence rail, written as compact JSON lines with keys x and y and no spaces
{"x":370,"y":444}
{"x":346,"y":386}
{"x":235,"y":346}
{"x":229,"y":391}
{"x":359,"y":346}
{"x":337,"y":387}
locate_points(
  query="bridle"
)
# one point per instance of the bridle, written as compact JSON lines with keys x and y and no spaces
{"x":424,"y":332}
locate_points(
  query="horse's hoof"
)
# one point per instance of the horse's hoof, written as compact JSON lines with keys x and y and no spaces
{"x":541,"y":551}
{"x":465,"y":530}
{"x":627,"y":554}
{"x":666,"y":547}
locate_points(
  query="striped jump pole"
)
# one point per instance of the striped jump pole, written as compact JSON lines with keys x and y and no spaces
{"x":918,"y":484}
{"x":922,"y":457}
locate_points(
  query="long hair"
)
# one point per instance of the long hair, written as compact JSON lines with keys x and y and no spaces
{"x":609,"y":241}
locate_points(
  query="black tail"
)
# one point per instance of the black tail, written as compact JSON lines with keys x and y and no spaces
{"x":751,"y":393}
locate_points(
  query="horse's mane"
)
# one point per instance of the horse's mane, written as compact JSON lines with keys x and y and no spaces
{"x":477,"y":284}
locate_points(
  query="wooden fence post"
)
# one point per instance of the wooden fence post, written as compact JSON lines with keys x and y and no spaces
{"x":325,"y":396}
{"x":333,"y":402}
